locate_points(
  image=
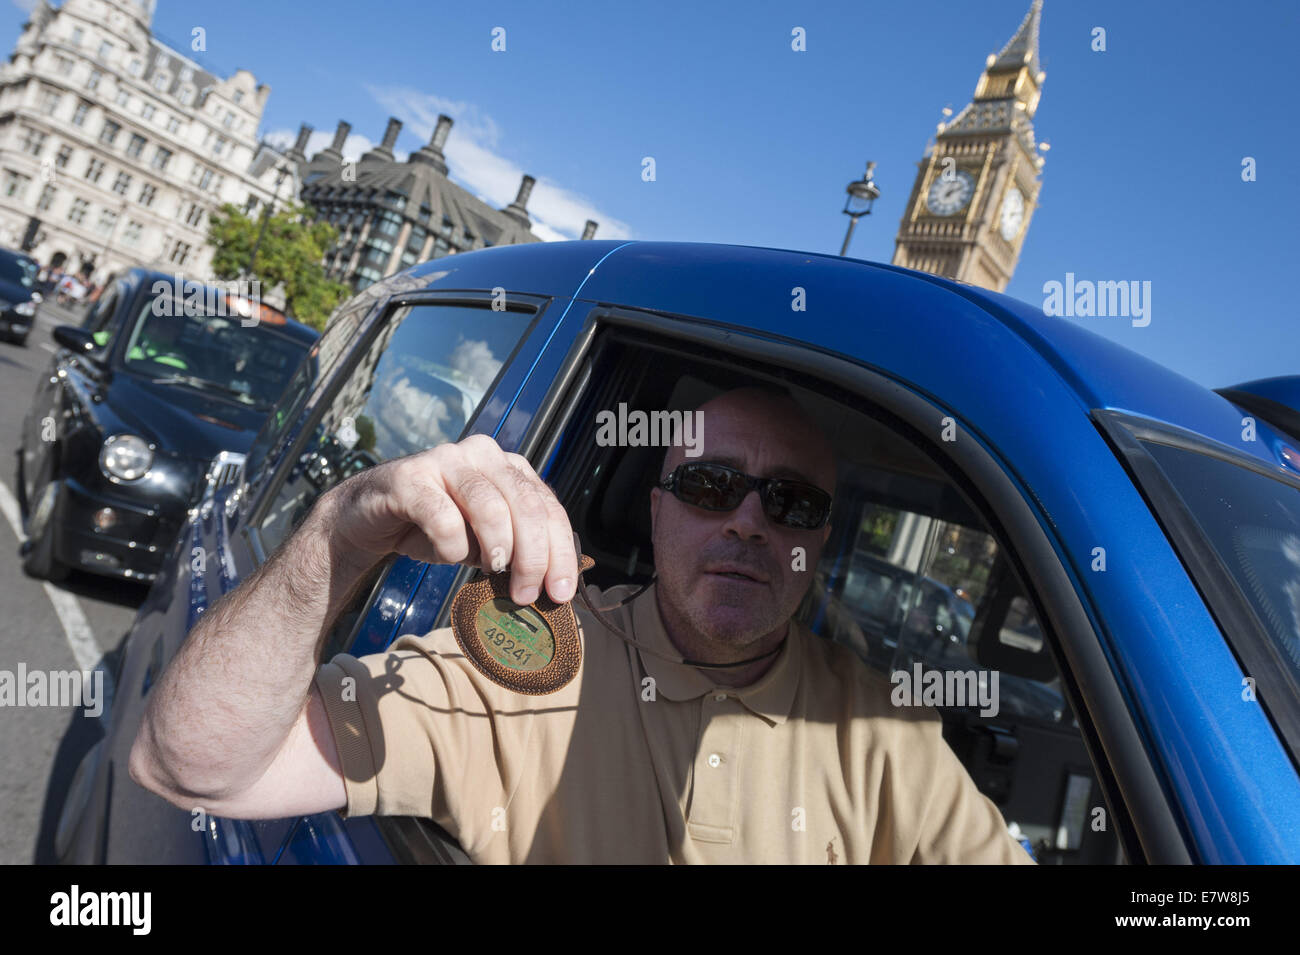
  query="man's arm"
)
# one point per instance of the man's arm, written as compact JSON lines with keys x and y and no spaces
{"x":234,"y":725}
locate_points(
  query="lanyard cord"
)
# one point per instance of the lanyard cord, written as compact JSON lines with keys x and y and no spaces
{"x":582,"y":592}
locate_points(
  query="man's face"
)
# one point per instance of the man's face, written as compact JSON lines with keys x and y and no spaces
{"x":728,"y":574}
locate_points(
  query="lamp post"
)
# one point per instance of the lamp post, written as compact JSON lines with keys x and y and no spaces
{"x":862,"y":193}
{"x":266,"y":215}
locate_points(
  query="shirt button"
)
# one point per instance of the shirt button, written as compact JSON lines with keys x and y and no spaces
{"x":714,"y":760}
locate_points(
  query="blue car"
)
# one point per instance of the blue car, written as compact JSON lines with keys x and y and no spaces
{"x":1129,"y":540}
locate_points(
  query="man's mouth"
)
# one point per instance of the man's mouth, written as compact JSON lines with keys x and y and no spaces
{"x":736,"y":572}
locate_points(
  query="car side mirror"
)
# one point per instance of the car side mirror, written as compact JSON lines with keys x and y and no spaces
{"x":77,"y":340}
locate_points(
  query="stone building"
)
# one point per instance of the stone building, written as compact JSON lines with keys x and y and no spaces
{"x":392,"y":214}
{"x":115,"y":148}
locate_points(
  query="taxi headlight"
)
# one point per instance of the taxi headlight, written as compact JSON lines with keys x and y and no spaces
{"x":25,"y":308}
{"x":126,"y":457}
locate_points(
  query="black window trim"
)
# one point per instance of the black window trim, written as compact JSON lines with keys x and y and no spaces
{"x":1148,"y":828}
{"x":1275,"y":688}
{"x":328,"y":389}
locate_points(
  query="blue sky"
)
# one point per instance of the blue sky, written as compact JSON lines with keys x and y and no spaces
{"x":754,"y":143}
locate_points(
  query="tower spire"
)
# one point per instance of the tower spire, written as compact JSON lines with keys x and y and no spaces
{"x":1022,"y":48}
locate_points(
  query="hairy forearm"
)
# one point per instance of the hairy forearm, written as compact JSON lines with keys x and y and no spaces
{"x":227,"y":702}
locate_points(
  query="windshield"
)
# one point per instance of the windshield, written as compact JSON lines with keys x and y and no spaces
{"x":214,"y":354}
{"x":19,"y":271}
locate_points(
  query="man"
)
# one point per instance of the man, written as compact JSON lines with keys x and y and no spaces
{"x":157,"y":343}
{"x":796,"y":755}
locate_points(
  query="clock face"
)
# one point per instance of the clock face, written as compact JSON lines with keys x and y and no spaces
{"x":1013,"y":214}
{"x":947,"y":195}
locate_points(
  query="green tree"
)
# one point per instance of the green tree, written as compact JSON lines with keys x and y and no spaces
{"x":291,"y":253}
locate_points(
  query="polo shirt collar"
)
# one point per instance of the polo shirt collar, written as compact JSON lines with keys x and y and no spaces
{"x":771,"y":697}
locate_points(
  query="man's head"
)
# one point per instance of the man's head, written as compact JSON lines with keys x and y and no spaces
{"x":727,"y":576}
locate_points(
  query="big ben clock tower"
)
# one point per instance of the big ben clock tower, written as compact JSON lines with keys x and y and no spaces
{"x":977,"y":187}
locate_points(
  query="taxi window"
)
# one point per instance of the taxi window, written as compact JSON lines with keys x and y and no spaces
{"x":417,"y":385}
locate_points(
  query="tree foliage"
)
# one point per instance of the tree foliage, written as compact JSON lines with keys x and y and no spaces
{"x":291,"y":252}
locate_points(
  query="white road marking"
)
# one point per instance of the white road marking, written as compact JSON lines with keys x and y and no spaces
{"x":80,"y":637}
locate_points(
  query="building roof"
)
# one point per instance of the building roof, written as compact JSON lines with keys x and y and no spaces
{"x":1022,"y":48}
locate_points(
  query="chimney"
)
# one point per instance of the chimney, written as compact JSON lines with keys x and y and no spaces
{"x":431,"y":153}
{"x":299,"y":151}
{"x":589,"y":230}
{"x":384,"y":151}
{"x":519,"y":208}
{"x":335,"y":150}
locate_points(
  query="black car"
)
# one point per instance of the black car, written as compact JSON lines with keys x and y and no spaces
{"x":161,"y":380}
{"x":19,"y":297}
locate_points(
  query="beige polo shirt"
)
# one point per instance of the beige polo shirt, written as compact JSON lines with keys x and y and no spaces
{"x":639,"y":760}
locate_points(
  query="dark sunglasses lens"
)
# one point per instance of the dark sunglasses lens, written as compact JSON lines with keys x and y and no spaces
{"x":710,"y":487}
{"x":796,"y":505}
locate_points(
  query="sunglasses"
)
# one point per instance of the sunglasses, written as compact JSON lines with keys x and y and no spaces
{"x":716,"y":487}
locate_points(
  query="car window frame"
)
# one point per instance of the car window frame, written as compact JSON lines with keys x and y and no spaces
{"x":1130,"y":782}
{"x":327,"y":390}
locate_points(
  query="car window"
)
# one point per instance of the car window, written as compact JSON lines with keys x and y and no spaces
{"x":100,"y":316}
{"x":911,"y":576}
{"x":415,"y":386}
{"x":1253,"y":524}
{"x":20,"y":271}
{"x":213,"y":353}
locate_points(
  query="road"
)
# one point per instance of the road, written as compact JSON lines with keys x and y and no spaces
{"x":50,"y":627}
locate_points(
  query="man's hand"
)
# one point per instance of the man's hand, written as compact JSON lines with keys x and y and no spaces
{"x":465,"y":503}
{"x":234,"y":724}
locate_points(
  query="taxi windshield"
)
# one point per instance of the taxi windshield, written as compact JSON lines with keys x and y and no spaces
{"x":212,"y":353}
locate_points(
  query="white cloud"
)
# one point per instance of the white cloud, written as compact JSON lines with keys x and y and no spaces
{"x":474,"y":162}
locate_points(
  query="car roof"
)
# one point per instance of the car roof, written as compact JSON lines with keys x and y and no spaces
{"x":291,"y":327}
{"x":852,"y":306}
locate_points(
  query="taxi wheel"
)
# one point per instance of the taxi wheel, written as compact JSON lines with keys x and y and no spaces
{"x":38,"y":555}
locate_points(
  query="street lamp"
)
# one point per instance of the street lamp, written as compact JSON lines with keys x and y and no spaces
{"x":266,"y":215}
{"x":862,"y":193}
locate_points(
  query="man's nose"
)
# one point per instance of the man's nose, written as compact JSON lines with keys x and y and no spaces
{"x":747,"y":521}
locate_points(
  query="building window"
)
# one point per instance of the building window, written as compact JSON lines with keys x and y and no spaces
{"x":147,"y":192}
{"x":229,"y":119}
{"x":78,"y":35}
{"x":136,"y":67}
{"x":122,"y":183}
{"x":105,"y":51}
{"x":78,"y":211}
{"x":16,"y":184}
{"x":251,"y":204}
{"x":180,"y":252}
{"x":79,"y":117}
{"x":447,"y":226}
{"x":64,"y":65}
{"x":161,"y":158}
{"x":186,"y":95}
{"x":122,"y":98}
{"x":194,"y":216}
{"x":108,"y":135}
{"x":425,"y":212}
{"x":131,"y":234}
{"x":33,"y":141}
{"x":387,"y":223}
{"x":205,"y":179}
{"x":135,"y":146}
{"x":107,"y":219}
{"x":63,"y":157}
{"x":173,"y":124}
{"x":187,"y":74}
{"x":160,"y":81}
{"x":47,"y":198}
{"x":94,"y":169}
{"x":395,"y":200}
{"x":92,"y":83}
{"x":238,"y":97}
{"x":147,"y":110}
{"x":220,"y":147}
{"x":50,"y":100}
